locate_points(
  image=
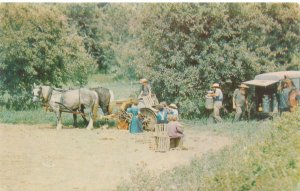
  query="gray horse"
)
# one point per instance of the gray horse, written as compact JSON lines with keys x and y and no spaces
{"x":105,"y":96}
{"x":67,"y":101}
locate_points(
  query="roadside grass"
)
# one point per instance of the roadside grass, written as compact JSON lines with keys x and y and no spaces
{"x":265,"y":156}
{"x":40,"y":116}
{"x":242,"y":129}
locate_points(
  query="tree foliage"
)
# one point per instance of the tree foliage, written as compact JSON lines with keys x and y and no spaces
{"x":181,"y":47}
{"x":193,"y":45}
{"x":37,"y":45}
{"x":106,"y":30}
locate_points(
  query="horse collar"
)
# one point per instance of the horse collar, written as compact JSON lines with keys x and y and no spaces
{"x":49,"y":95}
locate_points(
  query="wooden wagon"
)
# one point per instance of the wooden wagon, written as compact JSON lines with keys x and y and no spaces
{"x":147,"y":106}
{"x":263,"y":93}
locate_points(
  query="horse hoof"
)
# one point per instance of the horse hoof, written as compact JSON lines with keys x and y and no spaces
{"x":59,"y":127}
{"x":89,"y":128}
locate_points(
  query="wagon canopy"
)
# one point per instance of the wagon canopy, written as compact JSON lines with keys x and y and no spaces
{"x":267,"y":79}
{"x":262,"y":83}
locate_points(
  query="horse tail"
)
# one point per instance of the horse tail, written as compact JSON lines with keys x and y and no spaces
{"x":95,"y":106}
{"x":112,"y":96}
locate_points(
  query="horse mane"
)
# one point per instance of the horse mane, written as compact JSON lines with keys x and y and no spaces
{"x":60,"y":90}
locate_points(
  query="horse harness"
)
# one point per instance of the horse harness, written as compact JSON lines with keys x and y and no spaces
{"x":47,"y":106}
{"x":46,"y":100}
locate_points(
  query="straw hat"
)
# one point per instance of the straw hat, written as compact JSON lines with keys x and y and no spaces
{"x":172,"y":105}
{"x":143,"y":80}
{"x":215,"y":85}
{"x":160,"y":107}
{"x":163,"y":103}
{"x":243,"y":86}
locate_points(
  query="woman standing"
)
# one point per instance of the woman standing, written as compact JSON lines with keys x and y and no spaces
{"x":145,"y":89}
{"x":135,"y":123}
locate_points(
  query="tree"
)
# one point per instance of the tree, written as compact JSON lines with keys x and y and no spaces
{"x":37,"y":45}
{"x":190,"y":46}
{"x":106,"y":30}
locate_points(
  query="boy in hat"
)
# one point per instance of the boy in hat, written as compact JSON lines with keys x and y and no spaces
{"x":174,"y":110}
{"x":175,"y":132}
{"x":162,"y":115}
{"x":239,"y":101}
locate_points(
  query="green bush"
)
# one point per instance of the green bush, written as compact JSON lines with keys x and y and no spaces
{"x":40,"y":116}
{"x":15,"y":100}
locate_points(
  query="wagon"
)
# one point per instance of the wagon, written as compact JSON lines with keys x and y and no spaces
{"x":147,"y":106}
{"x":263,"y":92}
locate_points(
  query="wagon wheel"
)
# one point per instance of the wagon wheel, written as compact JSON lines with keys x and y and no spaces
{"x":149,"y":118}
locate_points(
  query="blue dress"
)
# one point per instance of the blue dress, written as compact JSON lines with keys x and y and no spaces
{"x":135,"y":124}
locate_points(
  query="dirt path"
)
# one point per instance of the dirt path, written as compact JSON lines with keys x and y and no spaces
{"x":38,"y":157}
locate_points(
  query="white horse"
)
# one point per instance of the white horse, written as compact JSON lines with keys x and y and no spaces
{"x":67,"y":101}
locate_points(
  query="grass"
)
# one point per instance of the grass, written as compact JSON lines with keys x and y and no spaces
{"x":265,"y":156}
{"x":242,"y":129}
{"x":27,"y":117}
{"x":40,"y":116}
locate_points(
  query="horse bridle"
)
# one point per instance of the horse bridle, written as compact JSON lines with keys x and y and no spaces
{"x":45,"y":100}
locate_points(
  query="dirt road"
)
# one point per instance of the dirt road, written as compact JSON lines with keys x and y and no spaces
{"x":40,"y":158}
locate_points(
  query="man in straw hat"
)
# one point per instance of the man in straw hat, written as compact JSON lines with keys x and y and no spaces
{"x":239,"y":101}
{"x":218,"y":99}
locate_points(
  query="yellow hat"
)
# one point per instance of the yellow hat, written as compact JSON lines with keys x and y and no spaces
{"x":243,"y":86}
{"x":172,"y":105}
{"x":143,"y":80}
{"x":215,"y":85}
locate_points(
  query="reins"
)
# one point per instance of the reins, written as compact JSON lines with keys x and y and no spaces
{"x":47,"y":99}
